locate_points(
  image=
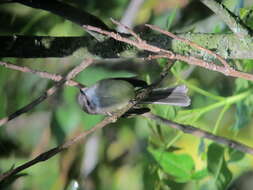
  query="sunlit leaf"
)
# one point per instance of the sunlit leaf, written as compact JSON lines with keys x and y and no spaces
{"x":243,"y":115}
{"x":171,"y":18}
{"x":198,"y":175}
{"x":244,"y":108}
{"x":235,"y":155}
{"x":179,"y":166}
{"x":246,"y":14}
{"x":217,"y":166}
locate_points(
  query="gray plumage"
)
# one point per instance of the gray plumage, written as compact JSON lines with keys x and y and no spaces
{"x":110,"y":95}
{"x":176,"y":96}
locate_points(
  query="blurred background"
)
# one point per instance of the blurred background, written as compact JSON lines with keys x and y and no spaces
{"x":133,"y":153}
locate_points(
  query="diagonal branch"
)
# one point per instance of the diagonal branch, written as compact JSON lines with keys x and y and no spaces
{"x":193,"y":44}
{"x":42,"y":74}
{"x":48,"y":93}
{"x":141,"y":44}
{"x":229,"y":18}
{"x":225,"y":45}
{"x":52,"y":152}
{"x":185,"y":128}
{"x":200,"y":133}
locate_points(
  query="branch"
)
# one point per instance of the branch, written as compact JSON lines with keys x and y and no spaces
{"x":13,"y":46}
{"x":48,"y":93}
{"x":143,"y":94}
{"x":192,"y":44}
{"x":135,"y":65}
{"x":229,"y":18}
{"x":42,"y":74}
{"x":226,"y":45}
{"x":141,"y":44}
{"x":52,"y":152}
{"x":200,"y":133}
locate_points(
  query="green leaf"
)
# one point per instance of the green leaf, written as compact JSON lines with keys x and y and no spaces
{"x":247,"y":65}
{"x":246,"y":14}
{"x":217,"y":166}
{"x":68,"y":115}
{"x":179,"y":166}
{"x":171,"y":18}
{"x":244,"y":108}
{"x":242,"y":116}
{"x":178,"y":67}
{"x":201,"y":174}
{"x":235,"y":155}
{"x":166,"y":111}
{"x":241,"y":84}
{"x":3,"y":100}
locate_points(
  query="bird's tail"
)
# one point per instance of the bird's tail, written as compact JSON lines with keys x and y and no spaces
{"x":176,"y":96}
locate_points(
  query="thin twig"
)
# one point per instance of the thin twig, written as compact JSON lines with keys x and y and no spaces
{"x":52,"y":152}
{"x":229,"y":18}
{"x":41,"y":74}
{"x":48,"y":93}
{"x":137,"y":37}
{"x":200,"y":133}
{"x":225,"y":45}
{"x":170,"y":55}
{"x":193,"y":44}
{"x":118,"y":37}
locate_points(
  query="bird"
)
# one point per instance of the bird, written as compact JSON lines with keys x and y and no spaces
{"x":107,"y":96}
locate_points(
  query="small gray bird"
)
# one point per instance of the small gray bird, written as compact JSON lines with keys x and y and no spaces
{"x":110,"y":95}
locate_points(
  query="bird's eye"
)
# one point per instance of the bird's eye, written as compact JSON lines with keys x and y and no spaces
{"x":82,"y":92}
{"x":88,"y":102}
{"x":85,"y":98}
